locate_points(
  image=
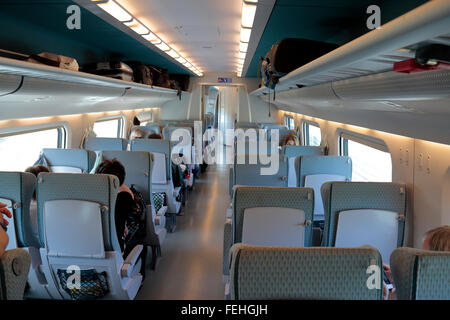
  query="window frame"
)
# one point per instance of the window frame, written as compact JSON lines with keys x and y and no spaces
{"x":145,"y":116}
{"x":305,"y":131}
{"x":287,"y":119}
{"x":63,"y":129}
{"x":368,"y":141}
{"x":345,"y":135}
{"x":121,"y":124}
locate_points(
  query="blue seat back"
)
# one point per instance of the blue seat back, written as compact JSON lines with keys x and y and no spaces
{"x":292,"y":152}
{"x":154,"y":146}
{"x":100,"y":144}
{"x":98,"y":188}
{"x":421,"y":274}
{"x":260,"y":273}
{"x":70,"y":159}
{"x":247,"y":197}
{"x":363,"y":202}
{"x":138,"y":168}
{"x":250,"y":174}
{"x":313,"y":171}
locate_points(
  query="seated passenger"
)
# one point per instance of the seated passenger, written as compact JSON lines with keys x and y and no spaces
{"x":437,"y":239}
{"x":4,"y":239}
{"x":125,"y":209}
{"x":137,"y":133}
{"x":154,"y":136}
{"x":290,"y":140}
{"x":36,"y":169}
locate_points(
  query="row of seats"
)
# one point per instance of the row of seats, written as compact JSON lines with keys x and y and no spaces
{"x":356,"y":213}
{"x":76,"y":190}
{"x":162,"y":154}
{"x":75,"y":227}
{"x":272,"y":220}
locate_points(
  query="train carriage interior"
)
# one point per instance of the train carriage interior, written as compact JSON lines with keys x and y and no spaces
{"x":224,"y":150}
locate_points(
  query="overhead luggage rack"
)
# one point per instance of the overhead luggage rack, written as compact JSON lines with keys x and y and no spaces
{"x":32,"y":70}
{"x":376,"y":51}
{"x":41,"y":90}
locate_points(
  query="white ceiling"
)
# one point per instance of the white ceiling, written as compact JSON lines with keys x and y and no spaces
{"x":206,"y":32}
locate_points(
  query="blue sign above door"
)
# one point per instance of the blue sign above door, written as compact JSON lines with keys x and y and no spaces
{"x":224,"y":80}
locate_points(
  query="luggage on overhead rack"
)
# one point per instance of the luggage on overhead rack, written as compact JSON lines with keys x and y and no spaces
{"x":289,"y":54}
{"x":160,"y":77}
{"x":174,"y":84}
{"x":54,"y":60}
{"x":182,"y":79}
{"x":141,"y":73}
{"x":112,"y":69}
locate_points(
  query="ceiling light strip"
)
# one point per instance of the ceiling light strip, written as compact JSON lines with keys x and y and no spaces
{"x":247,"y":19}
{"x":121,"y":14}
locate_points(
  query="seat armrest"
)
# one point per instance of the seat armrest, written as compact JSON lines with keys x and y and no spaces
{"x":131,"y":260}
{"x":176,"y":191}
{"x":162,"y":211}
{"x":15,"y":268}
{"x":227,"y":243}
{"x":229,"y":212}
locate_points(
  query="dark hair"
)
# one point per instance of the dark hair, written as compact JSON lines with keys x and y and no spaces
{"x":154,"y":136}
{"x":36,"y":169}
{"x":113,"y":167}
{"x":136,"y":121}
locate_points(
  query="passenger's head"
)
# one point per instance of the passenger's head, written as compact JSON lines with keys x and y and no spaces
{"x":438,"y":239}
{"x":137,"y":133}
{"x":113,"y":167}
{"x":36,"y":169}
{"x":290,"y":140}
{"x":154,"y":136}
{"x":136,"y":121}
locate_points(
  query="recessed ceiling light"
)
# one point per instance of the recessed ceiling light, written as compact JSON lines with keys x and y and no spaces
{"x":152,"y":38}
{"x":163,"y":46}
{"x":173,"y":54}
{"x":116,"y":11}
{"x":245,"y":34}
{"x":248,"y":14}
{"x":120,"y":13}
{"x":243,"y":47}
{"x":137,"y":27}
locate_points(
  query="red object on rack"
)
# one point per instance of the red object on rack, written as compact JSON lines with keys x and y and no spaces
{"x":410,"y":66}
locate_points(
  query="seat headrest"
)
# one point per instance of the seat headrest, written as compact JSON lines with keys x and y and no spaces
{"x":421,"y":274}
{"x":99,"y":144}
{"x":303,"y":273}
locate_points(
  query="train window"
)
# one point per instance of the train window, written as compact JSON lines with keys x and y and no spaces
{"x":289,"y":122}
{"x":371,"y":159}
{"x":109,"y":127}
{"x":312,"y":135}
{"x":20,"y":150}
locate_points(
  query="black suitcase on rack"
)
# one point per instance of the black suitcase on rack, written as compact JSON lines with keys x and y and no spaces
{"x":160,"y":77}
{"x":141,"y":73}
{"x":289,"y":54}
{"x":182,"y":79}
{"x":112,"y":69}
